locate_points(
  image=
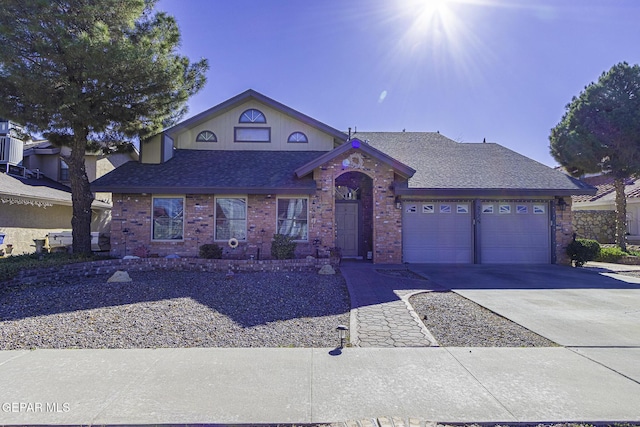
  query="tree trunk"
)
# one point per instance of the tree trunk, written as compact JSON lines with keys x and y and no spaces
{"x":621,"y":214}
{"x":80,"y":194}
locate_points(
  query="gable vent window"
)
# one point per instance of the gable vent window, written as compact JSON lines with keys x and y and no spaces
{"x":252,"y":116}
{"x":206,"y":136}
{"x":298,"y":137}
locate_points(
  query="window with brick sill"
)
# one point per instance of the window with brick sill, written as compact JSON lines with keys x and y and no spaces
{"x":293,"y":218}
{"x":231,"y":218}
{"x":168,"y":218}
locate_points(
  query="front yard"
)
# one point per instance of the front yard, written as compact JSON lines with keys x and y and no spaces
{"x":176,"y":309}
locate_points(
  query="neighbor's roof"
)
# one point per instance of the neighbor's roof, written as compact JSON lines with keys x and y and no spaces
{"x":14,"y":189}
{"x":606,"y":192}
{"x":444,"y":166}
{"x":222,"y":172}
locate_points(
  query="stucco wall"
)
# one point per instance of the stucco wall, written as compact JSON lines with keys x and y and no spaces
{"x":23,"y":223}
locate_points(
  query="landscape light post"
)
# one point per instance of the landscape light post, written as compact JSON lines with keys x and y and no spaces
{"x":342,"y":334}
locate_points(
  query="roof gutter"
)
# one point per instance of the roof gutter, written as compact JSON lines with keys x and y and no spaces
{"x":206,"y":190}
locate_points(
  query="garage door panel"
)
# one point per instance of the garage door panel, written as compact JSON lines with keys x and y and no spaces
{"x":435,"y":234}
{"x":517,"y":232}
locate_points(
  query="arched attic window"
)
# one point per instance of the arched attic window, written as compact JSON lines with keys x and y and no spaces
{"x":252,"y":116}
{"x":206,"y":136}
{"x":298,"y":138}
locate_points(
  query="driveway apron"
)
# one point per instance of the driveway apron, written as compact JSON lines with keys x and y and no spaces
{"x":380,"y":310}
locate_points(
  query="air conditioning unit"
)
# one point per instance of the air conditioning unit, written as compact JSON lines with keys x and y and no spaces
{"x":11,"y":150}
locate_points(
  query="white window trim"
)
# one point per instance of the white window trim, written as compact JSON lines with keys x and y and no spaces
{"x":293,"y":197}
{"x":246,"y":215}
{"x":428,"y":208}
{"x":184,"y":213}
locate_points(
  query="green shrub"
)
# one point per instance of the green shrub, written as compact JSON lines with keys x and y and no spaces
{"x":283,"y":247}
{"x":210,"y":251}
{"x":611,"y":254}
{"x":583,"y":250}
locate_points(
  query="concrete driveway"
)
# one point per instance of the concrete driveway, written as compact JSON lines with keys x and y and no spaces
{"x":574,"y":307}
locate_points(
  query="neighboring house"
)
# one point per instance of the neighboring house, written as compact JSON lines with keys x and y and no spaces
{"x":35,"y":199}
{"x":252,"y":167}
{"x":595,"y":214}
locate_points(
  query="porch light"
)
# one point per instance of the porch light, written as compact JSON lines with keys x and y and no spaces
{"x":342,"y":334}
{"x":562,"y":204}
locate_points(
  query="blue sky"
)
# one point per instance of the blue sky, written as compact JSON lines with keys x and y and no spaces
{"x":472,"y":69}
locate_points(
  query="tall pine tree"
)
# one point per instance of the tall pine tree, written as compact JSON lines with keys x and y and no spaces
{"x":600,"y":133}
{"x":92,"y":75}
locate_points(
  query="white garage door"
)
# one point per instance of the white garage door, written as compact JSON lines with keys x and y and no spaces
{"x":437,"y":232}
{"x":514,"y":233}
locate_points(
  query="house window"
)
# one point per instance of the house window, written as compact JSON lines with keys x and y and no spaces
{"x":538,"y":209}
{"x":445,"y":209}
{"x":298,"y":137}
{"x":293,"y":218}
{"x":522,"y":209}
{"x":168,"y":218}
{"x":504,"y":209}
{"x":462,"y":209}
{"x":231,"y":218}
{"x":252,"y":116}
{"x":411,"y":209}
{"x":64,"y":171}
{"x":252,"y":134}
{"x":206,"y":136}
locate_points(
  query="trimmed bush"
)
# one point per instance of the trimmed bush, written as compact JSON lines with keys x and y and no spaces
{"x":283,"y":247}
{"x":610,"y":254}
{"x":583,"y":250}
{"x":210,"y":251}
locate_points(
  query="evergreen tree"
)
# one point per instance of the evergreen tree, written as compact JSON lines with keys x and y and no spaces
{"x":600,"y":133}
{"x":92,"y":75}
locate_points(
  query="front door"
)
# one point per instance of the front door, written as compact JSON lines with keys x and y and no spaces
{"x":347,"y":227}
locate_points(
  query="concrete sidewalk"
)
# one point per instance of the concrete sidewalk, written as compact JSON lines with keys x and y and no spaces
{"x":310,"y":385}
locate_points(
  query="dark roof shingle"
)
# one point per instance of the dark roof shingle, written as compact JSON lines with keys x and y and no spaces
{"x":442,"y":163}
{"x":204,"y":171}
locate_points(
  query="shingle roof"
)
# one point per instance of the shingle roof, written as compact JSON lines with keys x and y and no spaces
{"x":442,"y":163}
{"x":42,"y":189}
{"x":204,"y":171}
{"x":606,"y":191}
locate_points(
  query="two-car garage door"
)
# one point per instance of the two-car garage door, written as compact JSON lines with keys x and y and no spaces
{"x":505,"y":232}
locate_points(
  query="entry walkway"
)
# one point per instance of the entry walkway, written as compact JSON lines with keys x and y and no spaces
{"x":380,"y":309}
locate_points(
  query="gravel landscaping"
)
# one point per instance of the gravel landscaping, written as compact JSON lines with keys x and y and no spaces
{"x":176,"y":309}
{"x":454,"y":321}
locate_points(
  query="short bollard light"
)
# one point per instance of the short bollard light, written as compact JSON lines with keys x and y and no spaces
{"x":342,"y":334}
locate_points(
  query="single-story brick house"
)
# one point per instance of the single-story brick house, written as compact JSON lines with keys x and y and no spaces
{"x":252,"y":167}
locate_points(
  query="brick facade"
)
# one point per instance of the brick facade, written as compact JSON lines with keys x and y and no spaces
{"x":131,"y":227}
{"x":386,"y":219}
{"x":383,"y":221}
{"x":563,"y":231}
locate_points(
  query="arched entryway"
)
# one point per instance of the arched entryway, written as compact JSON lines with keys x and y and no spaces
{"x":354,"y":215}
